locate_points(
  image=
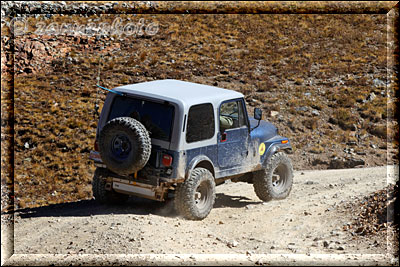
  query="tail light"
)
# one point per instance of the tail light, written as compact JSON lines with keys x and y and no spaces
{"x":96,"y":146}
{"x":166,"y":160}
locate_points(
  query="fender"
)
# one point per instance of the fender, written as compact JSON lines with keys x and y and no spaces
{"x":196,"y":160}
{"x":274,"y":148}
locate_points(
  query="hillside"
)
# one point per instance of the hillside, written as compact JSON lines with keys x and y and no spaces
{"x":322,"y":79}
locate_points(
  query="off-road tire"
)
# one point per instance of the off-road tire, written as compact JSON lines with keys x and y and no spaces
{"x":125,"y":145}
{"x":100,"y":193}
{"x":265,"y":187}
{"x":186,"y":199}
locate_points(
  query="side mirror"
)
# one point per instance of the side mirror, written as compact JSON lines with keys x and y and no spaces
{"x":257,"y":114}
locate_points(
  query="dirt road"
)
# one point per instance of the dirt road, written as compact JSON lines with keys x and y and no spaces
{"x":306,"y":227}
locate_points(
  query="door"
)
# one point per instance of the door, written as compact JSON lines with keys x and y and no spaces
{"x":233,"y":134}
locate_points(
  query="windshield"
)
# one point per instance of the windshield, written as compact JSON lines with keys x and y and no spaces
{"x":156,"y":117}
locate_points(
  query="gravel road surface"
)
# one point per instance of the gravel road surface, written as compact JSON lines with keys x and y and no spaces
{"x":307,"y":227}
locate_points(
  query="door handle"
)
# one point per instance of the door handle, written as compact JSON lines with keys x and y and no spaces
{"x":223,"y":137}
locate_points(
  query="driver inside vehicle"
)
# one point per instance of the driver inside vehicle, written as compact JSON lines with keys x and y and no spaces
{"x":228,"y":116}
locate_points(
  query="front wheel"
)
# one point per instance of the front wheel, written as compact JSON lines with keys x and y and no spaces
{"x":276,"y":180}
{"x":195,"y":198}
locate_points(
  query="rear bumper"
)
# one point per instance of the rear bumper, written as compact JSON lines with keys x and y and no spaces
{"x":136,"y":186}
{"x":139,"y":189}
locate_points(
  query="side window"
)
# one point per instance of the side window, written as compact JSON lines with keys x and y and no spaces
{"x":231,"y":115}
{"x":201,"y":124}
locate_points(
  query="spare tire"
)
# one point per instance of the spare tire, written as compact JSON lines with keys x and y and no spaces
{"x":125,"y":145}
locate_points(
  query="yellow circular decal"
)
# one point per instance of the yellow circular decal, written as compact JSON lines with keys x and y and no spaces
{"x":261,"y":149}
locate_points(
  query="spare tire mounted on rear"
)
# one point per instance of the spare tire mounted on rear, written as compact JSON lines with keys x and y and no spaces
{"x":125,"y":145}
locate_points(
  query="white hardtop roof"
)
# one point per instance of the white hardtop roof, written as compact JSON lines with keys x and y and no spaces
{"x":180,"y":92}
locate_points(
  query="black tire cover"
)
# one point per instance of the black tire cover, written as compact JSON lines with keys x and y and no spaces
{"x":125,"y":145}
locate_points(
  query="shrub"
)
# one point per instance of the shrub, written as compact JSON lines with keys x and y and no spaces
{"x":345,"y":119}
{"x":317,"y":149}
{"x":378,"y":130}
{"x":310,"y":124}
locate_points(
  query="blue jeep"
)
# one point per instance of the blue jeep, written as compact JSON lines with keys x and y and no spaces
{"x":172,"y":139}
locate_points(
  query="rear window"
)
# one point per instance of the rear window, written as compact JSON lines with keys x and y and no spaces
{"x":200,"y":124}
{"x":156,"y":117}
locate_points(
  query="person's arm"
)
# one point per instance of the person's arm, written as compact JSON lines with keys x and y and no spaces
{"x":225,"y":122}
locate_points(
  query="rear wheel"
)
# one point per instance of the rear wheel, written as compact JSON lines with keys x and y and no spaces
{"x":195,"y":198}
{"x":100,"y":193}
{"x":276,"y":180}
